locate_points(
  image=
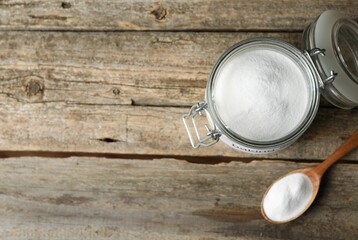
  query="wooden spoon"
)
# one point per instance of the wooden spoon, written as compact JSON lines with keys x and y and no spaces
{"x":315,"y":174}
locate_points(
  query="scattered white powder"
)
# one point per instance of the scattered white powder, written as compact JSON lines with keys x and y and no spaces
{"x":288,"y":197}
{"x":261,"y":94}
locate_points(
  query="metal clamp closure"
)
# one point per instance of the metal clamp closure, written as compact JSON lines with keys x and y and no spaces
{"x":314,"y":53}
{"x":317,"y":51}
{"x":212,"y":135}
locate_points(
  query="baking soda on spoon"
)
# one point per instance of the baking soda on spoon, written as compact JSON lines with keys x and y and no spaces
{"x":288,"y":197}
{"x":291,"y":195}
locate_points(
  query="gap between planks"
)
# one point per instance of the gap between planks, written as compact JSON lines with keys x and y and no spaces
{"x":211,"y":160}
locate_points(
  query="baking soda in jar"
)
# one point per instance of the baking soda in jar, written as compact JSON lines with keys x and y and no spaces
{"x":263,"y":93}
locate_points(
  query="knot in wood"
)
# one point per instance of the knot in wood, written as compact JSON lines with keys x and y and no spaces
{"x":160,"y":13}
{"x":34,"y":87}
{"x":116,"y":91}
{"x":66,"y":5}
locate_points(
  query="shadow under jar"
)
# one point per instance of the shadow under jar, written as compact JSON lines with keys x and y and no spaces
{"x":263,"y":93}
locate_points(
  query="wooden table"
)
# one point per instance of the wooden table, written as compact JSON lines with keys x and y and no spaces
{"x":92,"y":143}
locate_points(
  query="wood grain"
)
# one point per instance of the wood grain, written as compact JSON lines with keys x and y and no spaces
{"x":73,"y":127}
{"x":112,"y":79}
{"x":210,"y":15}
{"x":125,"y":93}
{"x":97,"y":198}
{"x":150,"y":69}
{"x":156,"y":69}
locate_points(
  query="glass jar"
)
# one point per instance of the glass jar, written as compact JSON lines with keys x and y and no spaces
{"x":336,"y":39}
{"x":328,"y":65}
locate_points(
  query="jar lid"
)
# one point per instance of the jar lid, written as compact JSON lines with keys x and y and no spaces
{"x":333,"y":42}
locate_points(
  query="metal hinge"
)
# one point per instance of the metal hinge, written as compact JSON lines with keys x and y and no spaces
{"x":212,"y":135}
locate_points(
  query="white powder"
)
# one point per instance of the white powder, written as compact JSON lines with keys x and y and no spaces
{"x":288,"y":197}
{"x":261,"y":94}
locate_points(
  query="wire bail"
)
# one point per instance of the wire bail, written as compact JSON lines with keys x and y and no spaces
{"x":212,"y":135}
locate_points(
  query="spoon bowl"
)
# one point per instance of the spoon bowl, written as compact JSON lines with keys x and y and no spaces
{"x":314,"y":179}
{"x":314,"y":175}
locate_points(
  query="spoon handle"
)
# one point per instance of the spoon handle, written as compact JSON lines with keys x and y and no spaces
{"x":350,"y":144}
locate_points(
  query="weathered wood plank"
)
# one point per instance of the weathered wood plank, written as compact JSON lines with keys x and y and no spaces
{"x":75,"y":91}
{"x":74,"y":127}
{"x":161,"y":69}
{"x":91,"y":198}
{"x":166,"y":15}
{"x":156,"y":69}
